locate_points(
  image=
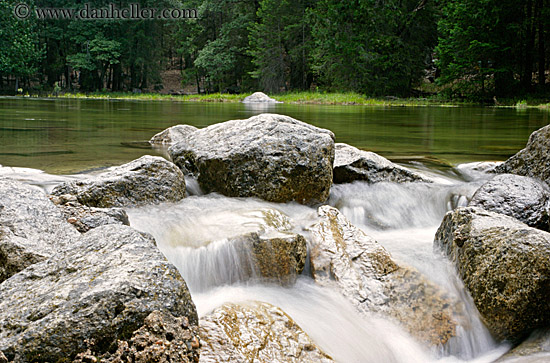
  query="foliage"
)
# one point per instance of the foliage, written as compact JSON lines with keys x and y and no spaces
{"x":473,"y":49}
{"x":20,"y":51}
{"x":371,"y":46}
{"x":486,"y":48}
{"x":281,"y":43}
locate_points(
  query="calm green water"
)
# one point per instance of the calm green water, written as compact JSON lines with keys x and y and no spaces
{"x":67,"y":136}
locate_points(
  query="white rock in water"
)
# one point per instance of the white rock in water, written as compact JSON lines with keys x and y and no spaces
{"x":259,"y":97}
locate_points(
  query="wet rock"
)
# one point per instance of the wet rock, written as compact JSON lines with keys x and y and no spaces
{"x":533,"y":160}
{"x":85,"y":218}
{"x":95,"y":293}
{"x":172,"y":135}
{"x":163,"y":338}
{"x":535,"y":349}
{"x":31,"y":228}
{"x":344,"y":256}
{"x":255,"y":332}
{"x":259,"y":97}
{"x":351,"y":164}
{"x":521,"y":197}
{"x":273,"y":157}
{"x":504,"y":264}
{"x":147,"y":180}
{"x":274,"y":256}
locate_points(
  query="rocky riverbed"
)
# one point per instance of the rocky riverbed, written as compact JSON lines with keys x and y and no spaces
{"x":108,"y":267}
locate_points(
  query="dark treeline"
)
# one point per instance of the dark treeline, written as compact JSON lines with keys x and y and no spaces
{"x":469,"y":48}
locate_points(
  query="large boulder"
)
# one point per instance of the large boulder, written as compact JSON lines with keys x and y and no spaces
{"x":259,"y":97}
{"x":147,"y":180}
{"x":521,"y":197}
{"x":172,"y":135}
{"x":504,"y":265}
{"x":255,"y":332}
{"x":273,"y":157}
{"x":344,"y":256}
{"x":351,"y":164}
{"x":92,"y":295}
{"x":31,"y":228}
{"x":533,"y":160}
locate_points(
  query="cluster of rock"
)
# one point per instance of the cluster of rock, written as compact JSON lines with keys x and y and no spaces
{"x":501,"y":246}
{"x":77,"y":283}
{"x":91,"y":296}
{"x":275,"y":158}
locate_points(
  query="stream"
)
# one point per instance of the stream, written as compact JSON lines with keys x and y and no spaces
{"x":45,"y":142}
{"x":194,"y":234}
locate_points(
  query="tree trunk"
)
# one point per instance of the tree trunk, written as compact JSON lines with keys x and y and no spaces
{"x":527,"y":76}
{"x":542,"y":35}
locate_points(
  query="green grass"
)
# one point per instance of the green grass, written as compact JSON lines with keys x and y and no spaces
{"x":305,"y":97}
{"x":308,"y":97}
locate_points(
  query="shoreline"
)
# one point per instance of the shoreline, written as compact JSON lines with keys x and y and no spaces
{"x":297,"y":98}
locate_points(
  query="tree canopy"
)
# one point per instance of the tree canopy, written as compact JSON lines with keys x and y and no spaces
{"x":472,"y":48}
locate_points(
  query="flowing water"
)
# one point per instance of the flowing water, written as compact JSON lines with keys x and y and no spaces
{"x":68,"y":136}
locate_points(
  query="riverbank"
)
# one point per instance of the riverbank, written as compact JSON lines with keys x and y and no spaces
{"x":308,"y":98}
{"x":311,"y":98}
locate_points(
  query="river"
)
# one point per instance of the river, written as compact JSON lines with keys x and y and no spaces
{"x":47,"y":141}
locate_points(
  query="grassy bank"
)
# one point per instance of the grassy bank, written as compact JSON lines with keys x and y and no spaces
{"x":315,"y":98}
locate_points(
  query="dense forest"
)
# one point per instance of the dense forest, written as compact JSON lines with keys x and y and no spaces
{"x":464,"y":48}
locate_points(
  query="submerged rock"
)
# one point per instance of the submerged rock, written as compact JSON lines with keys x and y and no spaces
{"x":504,"y":264}
{"x":274,"y":256}
{"x":172,"y":135}
{"x":85,"y":218}
{"x":95,"y":293}
{"x":523,"y":198}
{"x":147,"y":180}
{"x":31,"y":228}
{"x":351,"y":164}
{"x":273,"y":157}
{"x":535,"y":349}
{"x":533,"y":160}
{"x":255,"y":332}
{"x":364,"y":271}
{"x":259,"y":97}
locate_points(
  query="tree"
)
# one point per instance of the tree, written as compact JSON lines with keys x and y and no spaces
{"x":488,"y":47}
{"x":280,"y":44}
{"x":371,"y":46}
{"x":20,"y":51}
{"x":224,"y":59}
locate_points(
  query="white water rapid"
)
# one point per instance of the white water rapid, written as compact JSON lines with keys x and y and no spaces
{"x":194,"y":234}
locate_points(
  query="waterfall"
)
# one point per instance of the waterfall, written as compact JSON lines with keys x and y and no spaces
{"x":196,"y":235}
